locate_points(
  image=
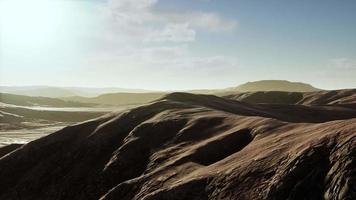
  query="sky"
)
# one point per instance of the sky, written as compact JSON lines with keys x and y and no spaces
{"x":177,"y":44}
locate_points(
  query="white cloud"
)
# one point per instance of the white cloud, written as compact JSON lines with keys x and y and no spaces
{"x":176,"y":59}
{"x":164,"y":52}
{"x":202,"y":20}
{"x":173,"y":33}
{"x":117,"y":41}
{"x":132,"y":5}
{"x":132,"y":11}
{"x":139,"y":20}
{"x":141,"y":39}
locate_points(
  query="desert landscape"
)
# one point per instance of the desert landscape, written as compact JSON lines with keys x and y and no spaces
{"x":177,"y":100}
{"x":42,"y":111}
{"x":247,"y":145}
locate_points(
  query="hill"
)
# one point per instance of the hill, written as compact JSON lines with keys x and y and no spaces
{"x":118,"y":98}
{"x":347,"y":96}
{"x":341,"y":97}
{"x":188,"y":146}
{"x":21,"y":100}
{"x":274,"y":85}
{"x":56,"y":92}
{"x":42,"y":91}
{"x":129,"y":98}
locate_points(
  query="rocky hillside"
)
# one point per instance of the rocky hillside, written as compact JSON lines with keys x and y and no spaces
{"x":186,"y":146}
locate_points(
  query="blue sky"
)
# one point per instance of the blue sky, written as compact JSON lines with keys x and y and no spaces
{"x":171,"y":44}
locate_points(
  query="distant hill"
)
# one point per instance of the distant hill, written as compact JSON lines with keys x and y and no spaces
{"x":93,"y":92}
{"x":21,"y":100}
{"x":260,"y":86}
{"x":346,"y":97}
{"x":274,"y":85}
{"x":42,"y":91}
{"x":56,"y":92}
{"x":118,"y":98}
{"x":127,"y":98}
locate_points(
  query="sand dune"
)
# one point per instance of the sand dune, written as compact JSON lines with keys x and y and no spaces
{"x":186,"y":146}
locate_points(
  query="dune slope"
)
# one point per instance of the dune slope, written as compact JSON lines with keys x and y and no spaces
{"x":186,"y":146}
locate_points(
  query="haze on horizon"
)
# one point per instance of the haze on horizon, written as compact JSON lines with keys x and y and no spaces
{"x":177,"y":44}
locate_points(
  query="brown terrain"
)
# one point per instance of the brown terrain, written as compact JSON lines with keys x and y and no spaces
{"x":325,"y":97}
{"x":261,"y":145}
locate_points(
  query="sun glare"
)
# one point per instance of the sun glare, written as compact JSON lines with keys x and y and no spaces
{"x":28,"y":24}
